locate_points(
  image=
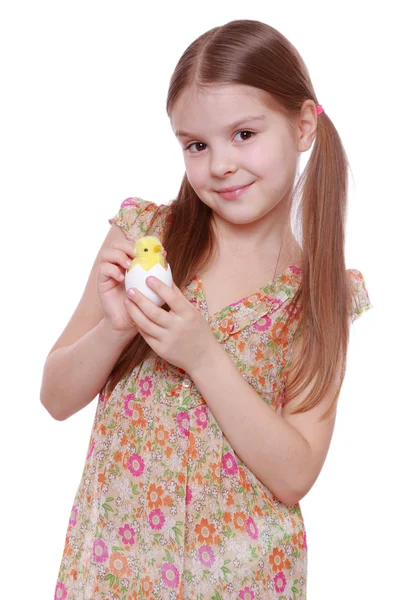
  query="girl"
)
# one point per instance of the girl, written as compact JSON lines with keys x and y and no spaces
{"x":215,"y":411}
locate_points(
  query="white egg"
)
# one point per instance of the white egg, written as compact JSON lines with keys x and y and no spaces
{"x":137,"y":276}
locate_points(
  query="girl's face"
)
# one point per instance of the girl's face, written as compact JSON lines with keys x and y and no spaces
{"x":220,"y":152}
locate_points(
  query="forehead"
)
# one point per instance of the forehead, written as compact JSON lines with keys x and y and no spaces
{"x":215,"y":107}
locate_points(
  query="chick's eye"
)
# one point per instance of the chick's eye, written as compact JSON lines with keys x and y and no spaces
{"x":146,"y":249}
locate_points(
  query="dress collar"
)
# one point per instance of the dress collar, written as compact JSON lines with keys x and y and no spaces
{"x":247,"y":310}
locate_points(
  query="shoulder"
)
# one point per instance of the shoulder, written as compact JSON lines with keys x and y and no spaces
{"x":135,"y":215}
{"x":360,"y":298}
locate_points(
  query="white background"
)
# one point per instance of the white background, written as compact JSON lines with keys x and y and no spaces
{"x":84,"y":126}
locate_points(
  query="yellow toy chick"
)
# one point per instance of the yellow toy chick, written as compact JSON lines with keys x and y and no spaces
{"x":148,"y":252}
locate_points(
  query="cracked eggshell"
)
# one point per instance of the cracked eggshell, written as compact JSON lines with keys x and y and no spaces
{"x":137,"y":276}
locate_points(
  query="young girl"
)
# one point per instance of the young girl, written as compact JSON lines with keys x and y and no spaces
{"x":216,"y":410}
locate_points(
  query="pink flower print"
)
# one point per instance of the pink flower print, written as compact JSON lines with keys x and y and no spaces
{"x":274,"y":301}
{"x":100,"y":552}
{"x":101,"y":397}
{"x":246,"y":594}
{"x":189,"y":495}
{"x":74,"y":514}
{"x":145,"y":385}
{"x":128,"y":534}
{"x":229,"y":464}
{"x":136,"y":464}
{"x":236,"y":303}
{"x":91,"y":449}
{"x":170,"y":575}
{"x":183,"y":422}
{"x":156,"y":519}
{"x":280,"y":582}
{"x":127,"y":404}
{"x":201,"y":417}
{"x":305,"y":540}
{"x":295,"y":270}
{"x":206,"y":556}
{"x":61,"y":591}
{"x":252,"y":529}
{"x":263,"y":324}
{"x":129,"y":202}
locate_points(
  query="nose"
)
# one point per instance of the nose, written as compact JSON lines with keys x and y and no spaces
{"x":222,"y":162}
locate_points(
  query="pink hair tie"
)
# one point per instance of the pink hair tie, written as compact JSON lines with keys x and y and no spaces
{"x":319,"y":109}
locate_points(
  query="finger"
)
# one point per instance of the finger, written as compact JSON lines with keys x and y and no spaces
{"x":109,"y":271}
{"x":172,"y":296}
{"x":115,"y":256}
{"x":157,"y":315}
{"x":126,"y":246}
{"x":142,"y":321}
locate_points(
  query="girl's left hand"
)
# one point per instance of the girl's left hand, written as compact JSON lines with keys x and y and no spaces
{"x":181,"y":336}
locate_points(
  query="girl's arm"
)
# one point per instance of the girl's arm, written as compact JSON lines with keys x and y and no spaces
{"x":73,"y":375}
{"x":286,"y":458}
{"x":81,"y":360}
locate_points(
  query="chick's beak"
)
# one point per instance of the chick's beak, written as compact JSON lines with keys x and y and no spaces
{"x":157,"y":248}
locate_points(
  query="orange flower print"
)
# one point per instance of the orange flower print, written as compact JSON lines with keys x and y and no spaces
{"x":277,"y":561}
{"x":300,"y":539}
{"x":205,"y":531}
{"x":224,"y":326}
{"x":215,"y":471}
{"x":154,"y":496}
{"x":239,"y":520}
{"x":279,"y":332}
{"x":161,"y":435}
{"x":147,"y":586}
{"x":119,"y":565}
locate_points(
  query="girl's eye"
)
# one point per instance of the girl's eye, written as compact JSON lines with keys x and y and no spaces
{"x":202,"y":144}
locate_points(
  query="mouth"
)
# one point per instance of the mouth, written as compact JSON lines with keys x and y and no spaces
{"x":231,"y":193}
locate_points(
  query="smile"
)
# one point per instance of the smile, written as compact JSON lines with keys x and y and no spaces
{"x":236,"y":193}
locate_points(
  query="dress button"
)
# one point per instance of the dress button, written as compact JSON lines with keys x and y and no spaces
{"x":186,"y":383}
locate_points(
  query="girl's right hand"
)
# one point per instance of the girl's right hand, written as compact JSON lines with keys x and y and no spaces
{"x":114,"y":262}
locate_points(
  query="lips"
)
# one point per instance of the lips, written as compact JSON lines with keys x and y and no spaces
{"x":233,"y":188}
{"x":234,"y":192}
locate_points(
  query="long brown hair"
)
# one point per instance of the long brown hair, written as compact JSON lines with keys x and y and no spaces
{"x":253,"y":53}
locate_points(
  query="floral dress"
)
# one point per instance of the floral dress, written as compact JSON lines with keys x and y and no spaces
{"x":165,"y":509}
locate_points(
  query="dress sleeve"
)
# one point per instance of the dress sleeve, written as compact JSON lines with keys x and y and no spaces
{"x":134,"y":216}
{"x":361,"y":301}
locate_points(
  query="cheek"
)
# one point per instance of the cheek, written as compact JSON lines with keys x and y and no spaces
{"x":196,"y":173}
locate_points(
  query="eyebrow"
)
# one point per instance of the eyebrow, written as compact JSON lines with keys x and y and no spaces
{"x":180,"y":133}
